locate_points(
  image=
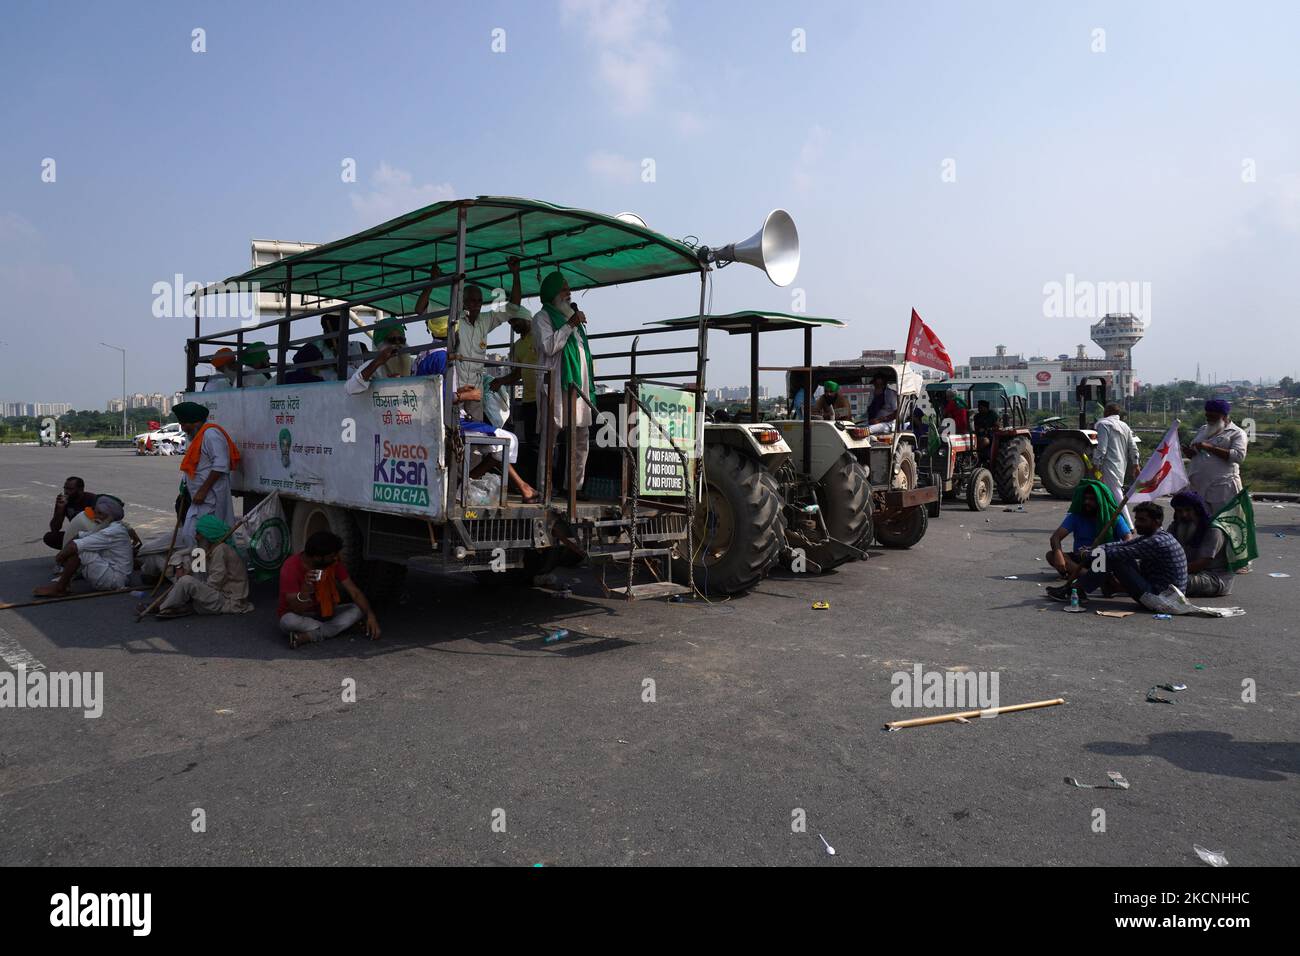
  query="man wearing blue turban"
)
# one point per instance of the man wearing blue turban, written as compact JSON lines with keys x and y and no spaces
{"x":1217,"y":451}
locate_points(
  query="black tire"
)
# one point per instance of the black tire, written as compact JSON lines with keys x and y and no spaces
{"x":979,"y":491}
{"x":380,"y":581}
{"x":1063,"y":467}
{"x":935,"y":508}
{"x":844,"y":494}
{"x":1013,"y":472}
{"x":739,"y":528}
{"x":905,"y":530}
{"x":907,"y":472}
{"x":309,"y":517}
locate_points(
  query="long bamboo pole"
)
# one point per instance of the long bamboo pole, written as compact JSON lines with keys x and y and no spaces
{"x":66,"y":597}
{"x":972,"y":714}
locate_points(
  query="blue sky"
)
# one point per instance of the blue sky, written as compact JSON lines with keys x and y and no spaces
{"x":1170,"y":158}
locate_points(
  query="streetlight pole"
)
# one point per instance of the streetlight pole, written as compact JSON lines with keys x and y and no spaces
{"x":123,"y":351}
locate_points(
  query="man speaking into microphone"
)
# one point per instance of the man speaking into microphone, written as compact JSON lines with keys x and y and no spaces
{"x":559,"y":330}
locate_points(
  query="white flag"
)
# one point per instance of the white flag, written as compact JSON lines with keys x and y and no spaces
{"x":1163,"y":474}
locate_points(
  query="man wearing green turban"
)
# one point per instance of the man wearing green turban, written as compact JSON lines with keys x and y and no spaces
{"x":832,"y":404}
{"x":258,"y":358}
{"x":391,"y":359}
{"x":215,"y":583}
{"x":561,"y":335}
{"x":1089,"y":520}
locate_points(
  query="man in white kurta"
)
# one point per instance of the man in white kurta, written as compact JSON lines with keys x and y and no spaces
{"x":552,"y":401}
{"x":1116,"y":454}
{"x":473,"y":329}
{"x":208,"y":484}
{"x":1217,"y":450}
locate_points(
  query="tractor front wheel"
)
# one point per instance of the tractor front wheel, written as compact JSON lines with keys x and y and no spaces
{"x":1014,"y":471}
{"x":1063,"y":466}
{"x":979,"y":491}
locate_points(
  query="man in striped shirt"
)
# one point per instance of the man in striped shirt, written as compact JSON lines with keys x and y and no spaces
{"x":1147,"y":564}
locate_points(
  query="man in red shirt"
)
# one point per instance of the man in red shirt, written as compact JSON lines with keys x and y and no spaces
{"x":310,"y":609}
{"x":955,"y":410}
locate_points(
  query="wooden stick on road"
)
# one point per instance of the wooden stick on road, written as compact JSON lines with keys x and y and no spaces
{"x":972,"y":714}
{"x":66,"y":597}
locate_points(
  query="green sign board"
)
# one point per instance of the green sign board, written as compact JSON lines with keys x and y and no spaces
{"x":659,"y":468}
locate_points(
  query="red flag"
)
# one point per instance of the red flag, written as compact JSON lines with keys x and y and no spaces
{"x":924,"y":347}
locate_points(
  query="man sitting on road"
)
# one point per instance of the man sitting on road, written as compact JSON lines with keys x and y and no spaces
{"x":1204,"y":545}
{"x":70,"y":506}
{"x":1145,"y":566}
{"x":310,"y":610}
{"x":831,"y":404}
{"x":986,"y":423}
{"x":222,"y":588}
{"x":1090,"y":511}
{"x":105,"y":557}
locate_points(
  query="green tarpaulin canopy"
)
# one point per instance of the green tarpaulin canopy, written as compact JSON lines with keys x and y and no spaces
{"x":591,"y":250}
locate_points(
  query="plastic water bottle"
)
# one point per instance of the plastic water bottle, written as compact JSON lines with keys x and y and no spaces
{"x":554,"y":636}
{"x":1073,"y":606}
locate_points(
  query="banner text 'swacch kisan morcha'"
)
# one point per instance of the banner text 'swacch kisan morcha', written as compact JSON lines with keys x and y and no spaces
{"x":379,"y":451}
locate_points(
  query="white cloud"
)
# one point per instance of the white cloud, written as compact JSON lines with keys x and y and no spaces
{"x":395,"y":193}
{"x":810,"y":155}
{"x":613,"y":167}
{"x":14,"y":228}
{"x":629,"y":37}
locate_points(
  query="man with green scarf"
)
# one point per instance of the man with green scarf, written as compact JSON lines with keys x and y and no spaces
{"x":559,"y":330}
{"x":1090,"y":511}
{"x":217,"y":585}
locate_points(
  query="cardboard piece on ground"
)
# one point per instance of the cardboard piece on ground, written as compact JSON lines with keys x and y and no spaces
{"x":1116,"y":613}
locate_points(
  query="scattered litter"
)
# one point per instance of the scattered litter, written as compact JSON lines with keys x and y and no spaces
{"x":140,"y":594}
{"x":1038,"y":559}
{"x":1212,"y":857}
{"x":821,"y":605}
{"x":1021,"y":508}
{"x":621,"y":740}
{"x":1279,"y":506}
{"x":1114,"y":613}
{"x":554,"y":636}
{"x":1117,"y":782}
{"x":1278,"y":534}
{"x":961,"y":720}
{"x":1199,"y":667}
{"x":562,"y":593}
{"x":1162,"y":617}
{"x":225,"y":710}
{"x":831,"y":850}
{"x":1278,"y":574}
{"x":1174,"y":687}
{"x":677,"y":599}
{"x":1011,"y":577}
{"x":1154,"y":698}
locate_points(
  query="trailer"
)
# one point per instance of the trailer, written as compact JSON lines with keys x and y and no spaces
{"x":387,"y":470}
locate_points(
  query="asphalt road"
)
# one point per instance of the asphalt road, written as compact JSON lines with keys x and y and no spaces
{"x":763,"y":706}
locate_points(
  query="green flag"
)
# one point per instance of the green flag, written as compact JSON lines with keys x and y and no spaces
{"x":1236,"y":520}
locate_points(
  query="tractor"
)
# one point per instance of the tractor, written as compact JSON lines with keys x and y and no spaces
{"x":972,"y":463}
{"x":1064,"y":453}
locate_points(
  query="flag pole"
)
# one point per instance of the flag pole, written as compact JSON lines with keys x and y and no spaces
{"x":1129,"y":493}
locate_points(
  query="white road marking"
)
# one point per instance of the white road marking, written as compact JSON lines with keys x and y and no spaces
{"x":15,"y":655}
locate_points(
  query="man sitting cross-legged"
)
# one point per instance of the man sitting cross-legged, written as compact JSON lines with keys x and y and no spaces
{"x":1147,"y":565}
{"x":310,"y":608}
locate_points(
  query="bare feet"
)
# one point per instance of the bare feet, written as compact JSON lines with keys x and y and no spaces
{"x":54,"y":589}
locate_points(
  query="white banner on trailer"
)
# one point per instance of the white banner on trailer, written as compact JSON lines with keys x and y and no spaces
{"x":381,"y":450}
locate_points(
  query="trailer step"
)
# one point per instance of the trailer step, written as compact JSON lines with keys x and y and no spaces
{"x":622,"y":554}
{"x":652,"y":589}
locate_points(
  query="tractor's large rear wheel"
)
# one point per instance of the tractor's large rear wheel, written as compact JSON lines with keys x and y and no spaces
{"x":739,"y":528}
{"x":1063,"y":466}
{"x":1013,"y":472}
{"x":844,"y":496}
